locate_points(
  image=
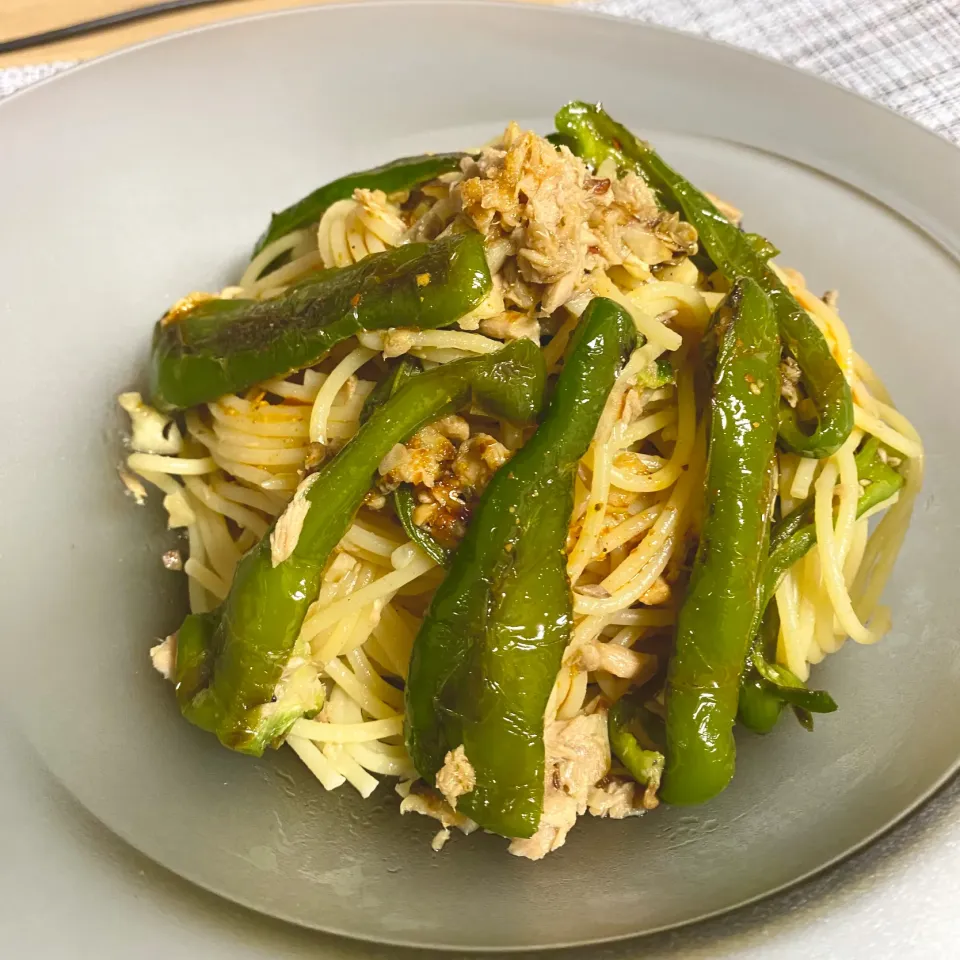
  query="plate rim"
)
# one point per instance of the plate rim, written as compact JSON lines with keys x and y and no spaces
{"x":548,"y":10}
{"x":576,"y":9}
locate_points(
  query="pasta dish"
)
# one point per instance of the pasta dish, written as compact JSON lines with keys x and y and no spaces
{"x":520,"y":477}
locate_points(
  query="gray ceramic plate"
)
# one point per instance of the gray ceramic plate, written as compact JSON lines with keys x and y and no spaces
{"x":148,"y":174}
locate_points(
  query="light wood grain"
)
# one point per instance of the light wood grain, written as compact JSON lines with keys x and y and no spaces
{"x":22,"y":17}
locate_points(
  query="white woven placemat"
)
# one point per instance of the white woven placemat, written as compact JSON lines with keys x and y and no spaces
{"x":903,"y":53}
{"x":13,"y":78}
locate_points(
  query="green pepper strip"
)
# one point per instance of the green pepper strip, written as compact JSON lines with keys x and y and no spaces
{"x":598,"y":137}
{"x":791,"y":689}
{"x":407,"y":173}
{"x":766,"y":685}
{"x":404,"y":504}
{"x":715,"y":623}
{"x":794,"y":536}
{"x":405,"y":368}
{"x":637,"y":739}
{"x":804,"y":718}
{"x":759,"y":707}
{"x":761,"y":246}
{"x":486,"y":658}
{"x":222,"y":346}
{"x":403,"y":501}
{"x":228,"y":680}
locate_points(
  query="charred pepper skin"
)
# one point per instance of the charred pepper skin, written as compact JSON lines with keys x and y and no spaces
{"x":404,"y":174}
{"x":736,"y":254}
{"x":223,"y":346}
{"x":235,"y":657}
{"x":715,"y":623}
{"x":486,"y":658}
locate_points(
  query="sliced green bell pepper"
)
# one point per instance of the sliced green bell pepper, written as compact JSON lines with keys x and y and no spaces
{"x":486,"y":658}
{"x":222,"y":346}
{"x":405,"y":368}
{"x":407,"y":173}
{"x":715,"y":623}
{"x":232,"y":678}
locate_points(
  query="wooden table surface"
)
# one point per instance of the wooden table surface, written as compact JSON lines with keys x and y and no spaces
{"x":22,"y":17}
